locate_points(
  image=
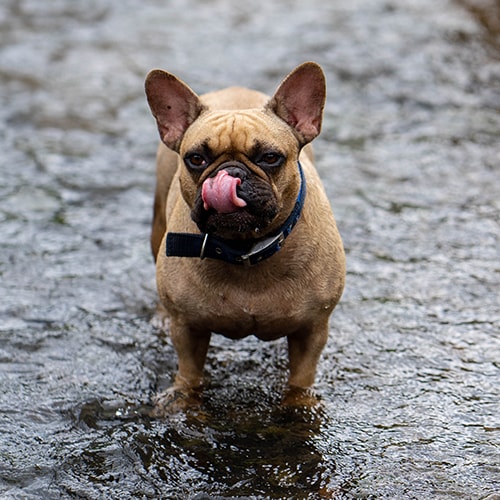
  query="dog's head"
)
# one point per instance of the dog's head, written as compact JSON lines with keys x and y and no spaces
{"x":239,"y":174}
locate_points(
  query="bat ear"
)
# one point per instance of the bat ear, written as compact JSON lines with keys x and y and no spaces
{"x":300,"y":100}
{"x":174,"y":105}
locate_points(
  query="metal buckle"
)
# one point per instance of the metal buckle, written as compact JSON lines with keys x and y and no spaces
{"x":261,"y":247}
{"x":203,"y":245}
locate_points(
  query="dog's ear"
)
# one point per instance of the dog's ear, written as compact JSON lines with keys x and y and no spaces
{"x":174,"y":105}
{"x":300,"y":99}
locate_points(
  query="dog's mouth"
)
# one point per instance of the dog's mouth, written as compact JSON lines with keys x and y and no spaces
{"x":221,"y":193}
{"x":234,"y":203}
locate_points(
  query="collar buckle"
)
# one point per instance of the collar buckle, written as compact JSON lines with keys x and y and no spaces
{"x":261,"y":249}
{"x":203,"y":245}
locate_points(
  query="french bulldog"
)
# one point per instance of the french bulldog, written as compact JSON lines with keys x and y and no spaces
{"x":243,"y":235}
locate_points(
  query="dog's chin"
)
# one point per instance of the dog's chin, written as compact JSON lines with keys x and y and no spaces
{"x":241,"y":225}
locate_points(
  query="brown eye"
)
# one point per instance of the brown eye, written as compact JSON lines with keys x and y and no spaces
{"x":271,"y":159}
{"x":196,"y":161}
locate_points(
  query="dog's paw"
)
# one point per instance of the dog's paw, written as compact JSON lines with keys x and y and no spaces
{"x":298,"y":397}
{"x":160,"y":320}
{"x":175,"y":400}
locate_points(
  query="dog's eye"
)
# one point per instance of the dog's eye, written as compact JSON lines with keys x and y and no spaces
{"x":271,"y":159}
{"x":196,"y":161}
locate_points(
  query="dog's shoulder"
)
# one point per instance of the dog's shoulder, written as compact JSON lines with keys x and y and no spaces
{"x":233,"y":98}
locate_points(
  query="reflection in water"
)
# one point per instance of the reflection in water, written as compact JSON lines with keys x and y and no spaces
{"x":228,"y":449}
{"x":277,"y":456}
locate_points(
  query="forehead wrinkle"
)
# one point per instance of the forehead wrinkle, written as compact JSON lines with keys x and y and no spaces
{"x":237,"y":129}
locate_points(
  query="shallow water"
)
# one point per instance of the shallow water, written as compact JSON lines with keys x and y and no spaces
{"x":409,"y":381}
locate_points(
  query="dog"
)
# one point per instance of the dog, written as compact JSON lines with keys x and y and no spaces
{"x":243,"y":235}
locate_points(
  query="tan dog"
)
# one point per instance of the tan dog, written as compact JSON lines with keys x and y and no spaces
{"x":253,"y":248}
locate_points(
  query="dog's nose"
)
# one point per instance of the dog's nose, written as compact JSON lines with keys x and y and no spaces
{"x":234,"y":169}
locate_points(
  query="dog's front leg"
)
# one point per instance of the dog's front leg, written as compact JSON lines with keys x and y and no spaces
{"x":191,"y":346}
{"x":304,"y":351}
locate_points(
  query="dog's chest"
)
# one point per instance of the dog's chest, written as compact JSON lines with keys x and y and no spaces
{"x":238,"y":309}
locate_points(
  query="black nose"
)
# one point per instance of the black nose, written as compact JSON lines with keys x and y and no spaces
{"x":235,"y":169}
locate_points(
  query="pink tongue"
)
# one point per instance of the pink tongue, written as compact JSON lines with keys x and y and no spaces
{"x":219,"y":192}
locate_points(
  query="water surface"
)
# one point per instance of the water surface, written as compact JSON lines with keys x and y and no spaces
{"x":409,"y":381}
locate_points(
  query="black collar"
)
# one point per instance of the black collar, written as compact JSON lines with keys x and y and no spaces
{"x":205,"y":245}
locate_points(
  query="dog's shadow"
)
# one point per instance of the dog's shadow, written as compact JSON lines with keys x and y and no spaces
{"x":237,"y":440}
{"x":249,"y":441}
